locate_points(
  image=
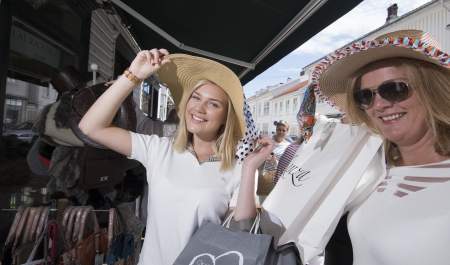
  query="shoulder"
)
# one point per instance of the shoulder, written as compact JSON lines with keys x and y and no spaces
{"x":144,"y":140}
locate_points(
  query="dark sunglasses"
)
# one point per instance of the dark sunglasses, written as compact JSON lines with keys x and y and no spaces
{"x":392,"y":91}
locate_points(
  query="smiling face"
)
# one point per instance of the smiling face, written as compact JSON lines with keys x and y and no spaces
{"x":281,"y":132}
{"x":206,"y":111}
{"x":403,"y":123}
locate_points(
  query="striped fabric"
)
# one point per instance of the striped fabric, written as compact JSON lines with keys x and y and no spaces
{"x":285,"y":159}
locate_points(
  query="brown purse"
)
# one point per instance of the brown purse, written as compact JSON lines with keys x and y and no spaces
{"x":87,"y":242}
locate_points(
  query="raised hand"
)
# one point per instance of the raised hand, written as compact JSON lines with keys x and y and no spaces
{"x":148,"y":61}
{"x":262,"y":152}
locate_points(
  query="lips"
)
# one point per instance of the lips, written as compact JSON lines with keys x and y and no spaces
{"x":197,"y":119}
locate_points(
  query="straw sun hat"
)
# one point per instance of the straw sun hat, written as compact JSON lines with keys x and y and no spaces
{"x":332,"y":76}
{"x":185,"y":71}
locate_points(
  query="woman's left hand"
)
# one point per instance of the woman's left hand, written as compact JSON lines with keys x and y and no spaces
{"x":256,"y":158}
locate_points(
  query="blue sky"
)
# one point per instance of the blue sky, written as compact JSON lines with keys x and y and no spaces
{"x":367,"y":16}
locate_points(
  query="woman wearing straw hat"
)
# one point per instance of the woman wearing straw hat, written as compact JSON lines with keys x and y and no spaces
{"x":399,"y":86}
{"x":193,"y":177}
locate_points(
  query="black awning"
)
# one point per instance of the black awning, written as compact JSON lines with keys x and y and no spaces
{"x":238,"y":29}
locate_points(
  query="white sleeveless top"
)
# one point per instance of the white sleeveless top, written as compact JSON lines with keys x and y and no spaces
{"x":406,"y":220}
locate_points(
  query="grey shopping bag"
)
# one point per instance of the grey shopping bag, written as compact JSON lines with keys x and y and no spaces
{"x":215,"y":244}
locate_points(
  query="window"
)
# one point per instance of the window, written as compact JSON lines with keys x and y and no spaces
{"x":281,"y":107}
{"x":276,"y":108}
{"x":294,"y":104}
{"x":254,"y":110}
{"x":259,"y":109}
{"x":265,"y":128}
{"x":287,"y":106}
{"x":266,"y":108}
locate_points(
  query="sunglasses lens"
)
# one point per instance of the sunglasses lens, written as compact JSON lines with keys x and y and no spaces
{"x":394,"y":91}
{"x":363,"y":97}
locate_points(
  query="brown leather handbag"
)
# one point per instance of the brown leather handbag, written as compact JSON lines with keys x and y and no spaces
{"x":86,"y":242}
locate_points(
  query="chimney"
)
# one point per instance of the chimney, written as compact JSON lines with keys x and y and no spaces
{"x":392,"y":13}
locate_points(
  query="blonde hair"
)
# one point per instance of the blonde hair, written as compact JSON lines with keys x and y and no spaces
{"x":432,"y":85}
{"x":227,"y":140}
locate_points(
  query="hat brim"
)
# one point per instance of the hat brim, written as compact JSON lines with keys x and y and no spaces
{"x":184,"y":71}
{"x":335,"y":77}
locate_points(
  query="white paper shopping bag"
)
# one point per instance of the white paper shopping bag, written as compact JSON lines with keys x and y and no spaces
{"x":331,"y":163}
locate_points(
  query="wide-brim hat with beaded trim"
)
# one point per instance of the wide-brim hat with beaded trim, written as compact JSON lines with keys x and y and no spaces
{"x":185,"y":71}
{"x":333,"y":75}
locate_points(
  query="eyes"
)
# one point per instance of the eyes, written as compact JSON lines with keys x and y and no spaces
{"x":210,"y":103}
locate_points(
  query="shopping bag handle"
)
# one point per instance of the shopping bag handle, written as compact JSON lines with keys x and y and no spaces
{"x":255,"y":226}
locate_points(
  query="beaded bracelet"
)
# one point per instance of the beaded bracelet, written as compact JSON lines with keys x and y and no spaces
{"x":130,"y":76}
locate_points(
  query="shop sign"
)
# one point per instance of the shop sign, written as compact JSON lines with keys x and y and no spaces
{"x":34,"y":47}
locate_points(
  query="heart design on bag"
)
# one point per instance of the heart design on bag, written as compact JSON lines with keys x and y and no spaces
{"x":227,"y":258}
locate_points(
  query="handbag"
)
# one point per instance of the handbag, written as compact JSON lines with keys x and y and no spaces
{"x":102,"y":168}
{"x":85,"y":242}
{"x":322,"y":179}
{"x":83,"y":98}
{"x":22,"y":241}
{"x":120,"y":243}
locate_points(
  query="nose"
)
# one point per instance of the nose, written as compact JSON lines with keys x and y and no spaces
{"x":200,"y":107}
{"x":380,"y":103}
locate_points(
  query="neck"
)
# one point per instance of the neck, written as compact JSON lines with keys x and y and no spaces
{"x":278,"y":139}
{"x":203,"y":148}
{"x":421,"y":152}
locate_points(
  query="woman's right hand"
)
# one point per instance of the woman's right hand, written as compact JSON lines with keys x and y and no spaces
{"x":147,"y":62}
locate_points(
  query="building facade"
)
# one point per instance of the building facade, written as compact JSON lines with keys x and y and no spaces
{"x":275,"y":103}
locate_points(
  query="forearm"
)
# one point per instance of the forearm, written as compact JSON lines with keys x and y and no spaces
{"x":246,"y":205}
{"x":101,"y":114}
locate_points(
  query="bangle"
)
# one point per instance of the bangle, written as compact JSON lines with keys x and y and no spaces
{"x":130,"y":76}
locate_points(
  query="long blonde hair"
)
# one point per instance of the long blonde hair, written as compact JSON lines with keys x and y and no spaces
{"x":227,"y":140}
{"x":432,"y":84}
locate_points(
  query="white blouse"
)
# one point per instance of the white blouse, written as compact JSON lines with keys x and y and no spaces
{"x":183,"y":193}
{"x":406,"y":220}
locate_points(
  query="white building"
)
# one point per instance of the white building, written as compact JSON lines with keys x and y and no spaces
{"x":282,"y":102}
{"x":275,"y":103}
{"x":25,"y":101}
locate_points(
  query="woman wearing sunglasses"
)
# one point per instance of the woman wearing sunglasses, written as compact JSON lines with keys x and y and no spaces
{"x":398,"y":86}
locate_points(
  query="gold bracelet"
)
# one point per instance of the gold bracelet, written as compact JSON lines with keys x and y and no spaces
{"x":130,"y":76}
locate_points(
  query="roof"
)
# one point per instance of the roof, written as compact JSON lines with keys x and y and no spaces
{"x":292,"y":89}
{"x":248,"y":36}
